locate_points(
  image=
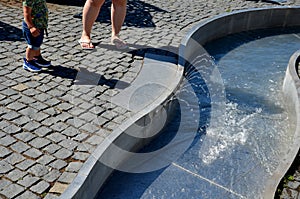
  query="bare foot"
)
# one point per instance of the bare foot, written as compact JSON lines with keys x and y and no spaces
{"x":119,"y":43}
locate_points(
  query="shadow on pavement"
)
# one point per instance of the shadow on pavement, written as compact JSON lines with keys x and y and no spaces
{"x":10,"y":33}
{"x":138,"y":14}
{"x":86,"y":77}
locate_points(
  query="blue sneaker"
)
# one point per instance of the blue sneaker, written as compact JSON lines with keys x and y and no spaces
{"x":40,"y":61}
{"x":31,"y":66}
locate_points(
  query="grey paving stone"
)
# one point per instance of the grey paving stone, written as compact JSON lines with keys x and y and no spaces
{"x":26,"y":100}
{"x":43,"y":131}
{"x":19,"y":147}
{"x":39,"y":142}
{"x":16,"y":106}
{"x":45,"y":159}
{"x":33,"y":153}
{"x":4,"y":183}
{"x":59,"y":126}
{"x":71,"y":132}
{"x":28,"y":180}
{"x":25,"y":164}
{"x":52,"y":102}
{"x":76,"y":122}
{"x":52,"y":148}
{"x":15,"y":175}
{"x":40,"y":116}
{"x":74,"y":166}
{"x":95,"y":140}
{"x":5,"y":167}
{"x":31,"y":126}
{"x":64,"y":106}
{"x":11,"y":115}
{"x":58,"y":164}
{"x":63,"y":153}
{"x":40,"y":188}
{"x":90,"y":128}
{"x":28,"y":195}
{"x":67,"y":177}
{"x":88,"y":116}
{"x":29,"y":111}
{"x":56,"y":137}
{"x":21,"y":120}
{"x":12,"y":190}
{"x":14,"y":158}
{"x":81,"y":156}
{"x":64,"y":116}
{"x":24,"y":136}
{"x":38,"y":170}
{"x":50,"y":121}
{"x":4,"y":152}
{"x":80,"y":137}
{"x":69,"y":144}
{"x":12,"y":129}
{"x":7,"y":140}
{"x":52,"y":176}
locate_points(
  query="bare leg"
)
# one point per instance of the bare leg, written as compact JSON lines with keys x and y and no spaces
{"x":118,"y":13}
{"x":30,"y":53}
{"x":90,"y":12}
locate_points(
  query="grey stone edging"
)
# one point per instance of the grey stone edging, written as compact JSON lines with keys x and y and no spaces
{"x":94,"y":172}
{"x":246,"y":20}
{"x":291,"y":91}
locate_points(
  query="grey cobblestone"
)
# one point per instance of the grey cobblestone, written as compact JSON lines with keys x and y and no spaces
{"x":74,"y":166}
{"x":19,"y":147}
{"x":14,"y":158}
{"x":12,"y":190}
{"x":7,"y":141}
{"x":40,"y":188}
{"x":63,"y":153}
{"x":24,"y":136}
{"x":45,"y":159}
{"x":4,"y":183}
{"x":33,"y":153}
{"x":52,"y":148}
{"x":5,"y":167}
{"x":52,"y":176}
{"x":28,"y":180}
{"x":39,"y":142}
{"x":38,"y":170}
{"x":43,"y":131}
{"x":15,"y":175}
{"x":67,"y":177}
{"x":58,"y":164}
{"x":25,"y":164}
{"x":12,"y":129}
{"x":28,"y":195}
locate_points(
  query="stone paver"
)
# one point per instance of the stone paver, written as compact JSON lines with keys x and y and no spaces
{"x":52,"y":121}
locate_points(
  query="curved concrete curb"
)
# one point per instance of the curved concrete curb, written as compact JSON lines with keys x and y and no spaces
{"x":291,"y":90}
{"x":246,"y":20}
{"x":100,"y":164}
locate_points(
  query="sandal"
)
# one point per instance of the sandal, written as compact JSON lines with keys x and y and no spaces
{"x":86,"y":45}
{"x":118,"y":43}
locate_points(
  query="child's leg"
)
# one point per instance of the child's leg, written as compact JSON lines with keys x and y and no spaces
{"x":30,"y":53}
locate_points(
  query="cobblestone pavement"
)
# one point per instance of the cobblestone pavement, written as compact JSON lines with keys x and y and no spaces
{"x":52,"y":121}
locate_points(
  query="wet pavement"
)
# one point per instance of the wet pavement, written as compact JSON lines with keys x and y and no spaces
{"x":52,"y":121}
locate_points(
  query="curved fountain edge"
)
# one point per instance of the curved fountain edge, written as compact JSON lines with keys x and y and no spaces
{"x":291,"y":91}
{"x":94,"y":172}
{"x":246,"y":20}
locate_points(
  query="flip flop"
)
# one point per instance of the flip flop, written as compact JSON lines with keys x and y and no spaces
{"x":86,"y":45}
{"x":118,"y":43}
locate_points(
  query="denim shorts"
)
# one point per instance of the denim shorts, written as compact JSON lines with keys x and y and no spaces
{"x":34,"y":43}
